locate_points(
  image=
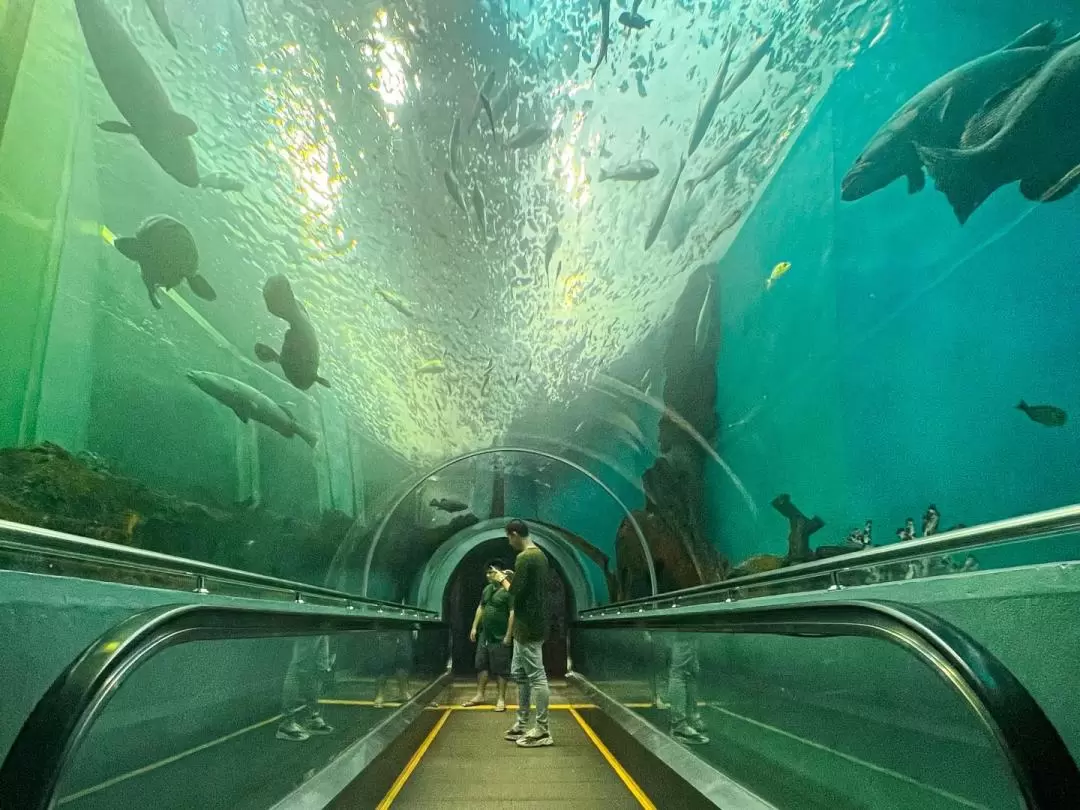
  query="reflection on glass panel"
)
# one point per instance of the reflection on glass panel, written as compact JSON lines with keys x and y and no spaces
{"x":240,"y":724}
{"x":809,"y":723}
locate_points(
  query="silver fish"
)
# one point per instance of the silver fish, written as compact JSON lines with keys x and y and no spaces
{"x":633,"y":172}
{"x":248,"y":403}
{"x":455,"y":145}
{"x":726,"y":224}
{"x":161,"y":17}
{"x":454,"y":187}
{"x":479,"y":208}
{"x":712,"y":101}
{"x":529,"y":136}
{"x":491,"y":118}
{"x":485,"y":90}
{"x":605,"y":33}
{"x":761,"y":49}
{"x":701,"y":330}
{"x":551,"y":245}
{"x":731,"y":150}
{"x":661,"y":214}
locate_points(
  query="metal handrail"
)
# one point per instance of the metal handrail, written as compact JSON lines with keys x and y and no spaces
{"x":1042,"y":767}
{"x":1025,"y":527}
{"x":58,"y":724}
{"x":39,"y":541}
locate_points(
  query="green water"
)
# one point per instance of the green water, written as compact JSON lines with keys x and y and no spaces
{"x":877,"y":375}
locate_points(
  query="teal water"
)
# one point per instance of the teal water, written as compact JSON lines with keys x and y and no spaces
{"x":876,"y":376}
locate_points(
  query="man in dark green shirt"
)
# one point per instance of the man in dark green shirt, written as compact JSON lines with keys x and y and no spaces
{"x":489,"y":628}
{"x":528,"y":629}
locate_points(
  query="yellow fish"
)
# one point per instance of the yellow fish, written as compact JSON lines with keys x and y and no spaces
{"x":777,"y":271}
{"x":432,"y":367}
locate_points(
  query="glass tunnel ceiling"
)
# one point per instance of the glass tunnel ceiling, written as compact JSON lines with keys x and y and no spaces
{"x":341,"y":134}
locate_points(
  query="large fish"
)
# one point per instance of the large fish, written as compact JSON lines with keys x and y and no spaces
{"x":248,"y":403}
{"x":299,"y":356}
{"x":529,"y":136}
{"x":635,"y":171}
{"x":759,"y":52}
{"x":732,"y":149}
{"x":138,"y":94}
{"x":936,"y":116}
{"x":1031,"y":134}
{"x":605,"y":33}
{"x":665,"y":204}
{"x":161,"y":17}
{"x":712,"y":101}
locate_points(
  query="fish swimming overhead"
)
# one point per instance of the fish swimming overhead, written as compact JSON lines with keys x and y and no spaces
{"x":454,"y":187}
{"x":712,"y":101}
{"x":665,"y":205}
{"x":634,"y":172}
{"x":731,"y":150}
{"x":299,"y":356}
{"x":936,"y":116}
{"x":431,"y":367}
{"x":490,"y":117}
{"x":480,"y":207}
{"x":529,"y":136}
{"x":161,"y":17}
{"x":221,"y":181}
{"x":167,"y":255}
{"x":704,"y":320}
{"x":394,"y":301}
{"x":455,"y":146}
{"x":138,"y":94}
{"x":1048,"y":415}
{"x":1030,"y":134}
{"x":483,"y":92}
{"x":448,"y":505}
{"x":251,"y":404}
{"x":551,"y":244}
{"x":760,"y":51}
{"x":634,"y":21}
{"x":605,"y":33}
{"x":776,"y":273}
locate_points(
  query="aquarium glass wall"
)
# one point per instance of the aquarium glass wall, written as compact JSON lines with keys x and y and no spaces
{"x":757,"y":281}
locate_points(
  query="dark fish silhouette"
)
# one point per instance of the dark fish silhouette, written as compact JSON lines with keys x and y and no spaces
{"x":166,"y":254}
{"x":448,"y":505}
{"x":1030,"y":134}
{"x":299,"y":357}
{"x":761,"y":49}
{"x":937,"y":114}
{"x":712,"y":101}
{"x":1048,"y":415}
{"x":161,"y":17}
{"x":634,"y":21}
{"x":137,"y":94}
{"x":605,"y":33}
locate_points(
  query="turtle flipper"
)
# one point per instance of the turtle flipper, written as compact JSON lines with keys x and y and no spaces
{"x":266,"y":354}
{"x":152,"y":290}
{"x":201,"y":287}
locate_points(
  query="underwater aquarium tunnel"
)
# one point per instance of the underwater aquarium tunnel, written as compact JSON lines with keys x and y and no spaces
{"x":757,"y":316}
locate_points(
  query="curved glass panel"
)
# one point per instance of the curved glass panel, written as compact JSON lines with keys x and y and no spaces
{"x":240,"y":724}
{"x":753,"y":264}
{"x":807,"y":722}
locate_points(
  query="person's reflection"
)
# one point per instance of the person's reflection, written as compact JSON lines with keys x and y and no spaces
{"x":687,"y":724}
{"x":393,"y":654}
{"x":309,"y":669}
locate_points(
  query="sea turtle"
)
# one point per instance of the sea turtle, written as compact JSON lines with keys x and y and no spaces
{"x":166,"y":253}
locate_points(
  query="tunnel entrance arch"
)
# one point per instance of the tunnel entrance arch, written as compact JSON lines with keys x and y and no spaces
{"x":462,"y":594}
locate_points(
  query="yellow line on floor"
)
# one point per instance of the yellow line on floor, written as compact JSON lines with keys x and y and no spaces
{"x":167,"y":761}
{"x":616,"y":766}
{"x":487,"y":707}
{"x":410,"y":766}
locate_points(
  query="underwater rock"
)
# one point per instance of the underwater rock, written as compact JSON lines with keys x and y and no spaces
{"x":47,"y":486}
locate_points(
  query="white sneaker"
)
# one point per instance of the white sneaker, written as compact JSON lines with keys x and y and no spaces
{"x":500,"y":705}
{"x":292,"y":731}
